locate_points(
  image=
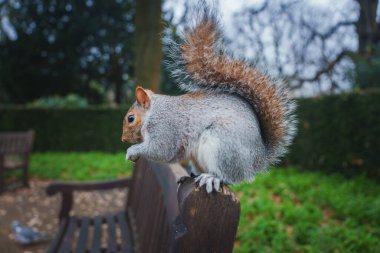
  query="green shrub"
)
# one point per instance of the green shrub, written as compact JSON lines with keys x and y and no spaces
{"x":339,"y":133}
{"x":83,"y":129}
{"x":336,"y":133}
{"x":69,"y":101}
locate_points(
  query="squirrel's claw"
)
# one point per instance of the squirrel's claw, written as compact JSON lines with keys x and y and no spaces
{"x":209,"y":180}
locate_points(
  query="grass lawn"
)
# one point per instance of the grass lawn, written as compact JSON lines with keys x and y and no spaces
{"x":282,"y":211}
{"x":79,"y":166}
{"x":291,"y":211}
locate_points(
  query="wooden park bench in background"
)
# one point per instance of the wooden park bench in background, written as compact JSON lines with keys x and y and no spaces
{"x":15,"y":148}
{"x":159,"y":216}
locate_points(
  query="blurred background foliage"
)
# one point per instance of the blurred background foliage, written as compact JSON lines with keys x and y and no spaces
{"x":60,"y":47}
{"x":68,"y":101}
{"x":367,"y":74}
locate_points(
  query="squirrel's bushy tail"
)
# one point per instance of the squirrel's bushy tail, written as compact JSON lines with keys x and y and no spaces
{"x":198,"y":63}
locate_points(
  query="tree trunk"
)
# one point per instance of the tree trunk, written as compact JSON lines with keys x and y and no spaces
{"x":115,"y":76}
{"x":368,"y":31}
{"x":367,"y":28}
{"x":148,"y":47}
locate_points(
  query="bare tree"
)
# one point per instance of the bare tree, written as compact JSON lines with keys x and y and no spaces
{"x":313,"y":48}
{"x":306,"y":45}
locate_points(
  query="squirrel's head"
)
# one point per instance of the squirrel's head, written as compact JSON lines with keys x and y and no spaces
{"x":133,"y":119}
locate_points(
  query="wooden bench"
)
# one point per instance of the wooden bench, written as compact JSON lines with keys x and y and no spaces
{"x":15,"y":148}
{"x":159,"y":215}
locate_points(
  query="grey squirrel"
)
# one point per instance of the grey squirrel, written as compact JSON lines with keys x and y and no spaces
{"x":233,"y":122}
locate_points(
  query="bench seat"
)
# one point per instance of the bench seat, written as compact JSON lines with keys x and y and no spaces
{"x":106,"y":233}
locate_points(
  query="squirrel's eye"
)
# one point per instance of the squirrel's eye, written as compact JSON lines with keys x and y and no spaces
{"x":131,"y":118}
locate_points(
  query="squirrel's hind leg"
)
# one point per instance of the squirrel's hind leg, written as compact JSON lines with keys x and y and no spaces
{"x":206,"y":161}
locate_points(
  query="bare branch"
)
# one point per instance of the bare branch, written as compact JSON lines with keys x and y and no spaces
{"x":254,"y":11}
{"x":327,"y":69}
{"x":331,"y":31}
{"x":297,"y":43}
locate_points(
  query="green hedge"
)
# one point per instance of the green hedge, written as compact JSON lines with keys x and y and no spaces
{"x":336,"y":133}
{"x":68,"y":129}
{"x":339,"y":133}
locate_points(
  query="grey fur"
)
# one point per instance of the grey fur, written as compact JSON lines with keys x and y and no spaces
{"x":224,"y":125}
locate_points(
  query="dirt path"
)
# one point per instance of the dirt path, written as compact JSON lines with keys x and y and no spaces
{"x":31,"y":207}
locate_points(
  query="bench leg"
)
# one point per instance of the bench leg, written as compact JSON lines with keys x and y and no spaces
{"x":2,"y":186}
{"x":25,"y":176}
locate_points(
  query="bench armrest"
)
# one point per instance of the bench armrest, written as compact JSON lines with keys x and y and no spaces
{"x":57,"y":187}
{"x":207,"y":222}
{"x":67,"y":189}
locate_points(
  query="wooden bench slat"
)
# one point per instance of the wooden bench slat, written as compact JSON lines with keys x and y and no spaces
{"x":96,"y":238}
{"x":126,"y":246}
{"x":82,"y":241}
{"x":155,"y":224}
{"x":67,"y":241}
{"x":111,"y":243}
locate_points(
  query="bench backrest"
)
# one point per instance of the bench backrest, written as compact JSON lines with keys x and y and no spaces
{"x":16,"y":142}
{"x":152,"y":205}
{"x":169,"y":218}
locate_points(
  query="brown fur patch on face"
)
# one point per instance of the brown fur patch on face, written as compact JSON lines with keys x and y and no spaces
{"x":132,"y":130}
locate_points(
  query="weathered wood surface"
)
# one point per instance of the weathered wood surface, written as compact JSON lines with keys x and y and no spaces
{"x":207,"y":222}
{"x":160,"y":216}
{"x":15,"y":149}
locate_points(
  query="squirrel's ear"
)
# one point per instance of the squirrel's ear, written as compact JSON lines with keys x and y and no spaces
{"x":143,"y":97}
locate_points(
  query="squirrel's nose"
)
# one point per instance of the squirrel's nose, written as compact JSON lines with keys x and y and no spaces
{"x":123,"y":139}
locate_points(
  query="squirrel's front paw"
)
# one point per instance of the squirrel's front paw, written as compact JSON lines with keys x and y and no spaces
{"x":209,"y":180}
{"x":131,"y":155}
